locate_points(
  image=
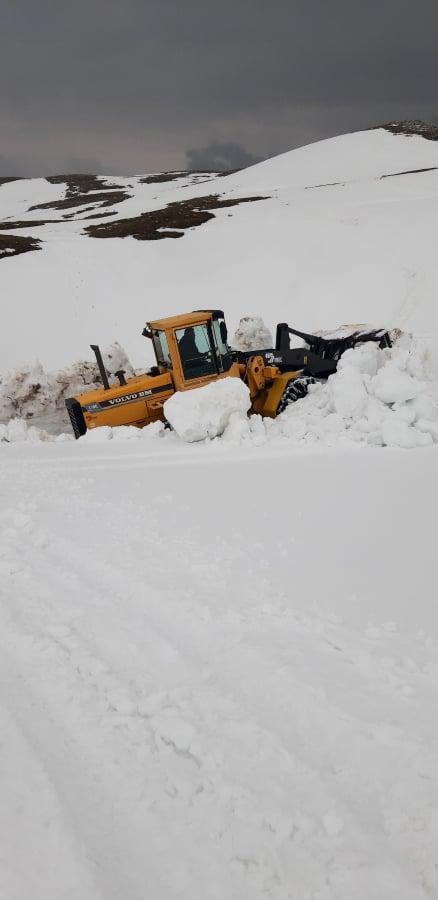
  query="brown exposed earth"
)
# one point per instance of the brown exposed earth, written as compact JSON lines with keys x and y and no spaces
{"x":78,"y":193}
{"x":81,"y":184}
{"x":102,"y":199}
{"x":97,"y":215}
{"x":11,"y":245}
{"x":85,"y":191}
{"x":12,"y":225}
{"x":163,"y":177}
{"x":312,"y":187}
{"x":414,"y":126}
{"x":175,"y":218}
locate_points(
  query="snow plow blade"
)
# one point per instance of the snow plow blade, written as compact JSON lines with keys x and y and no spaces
{"x":334,"y":344}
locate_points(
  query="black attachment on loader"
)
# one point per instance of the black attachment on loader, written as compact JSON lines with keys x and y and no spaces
{"x":291,"y":360}
{"x":319,"y":358}
{"x":330,"y":348}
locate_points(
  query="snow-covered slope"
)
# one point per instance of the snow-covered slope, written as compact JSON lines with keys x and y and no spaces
{"x":335,"y":241}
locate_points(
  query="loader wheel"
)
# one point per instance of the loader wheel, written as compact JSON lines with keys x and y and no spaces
{"x":294,"y":391}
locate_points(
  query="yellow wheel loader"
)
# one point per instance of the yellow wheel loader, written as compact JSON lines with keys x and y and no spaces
{"x":192,"y":350}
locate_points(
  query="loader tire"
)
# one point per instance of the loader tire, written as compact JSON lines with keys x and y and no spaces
{"x":294,"y":391}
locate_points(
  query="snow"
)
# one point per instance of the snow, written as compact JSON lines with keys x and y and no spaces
{"x":219,"y":672}
{"x":30,"y":392}
{"x":206,"y":411}
{"x":17,"y":430}
{"x":373,"y":399}
{"x":252,"y":334}
{"x":115,"y":359}
{"x":123,"y":433}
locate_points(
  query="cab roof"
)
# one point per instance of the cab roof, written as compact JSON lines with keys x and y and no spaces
{"x":185,"y":319}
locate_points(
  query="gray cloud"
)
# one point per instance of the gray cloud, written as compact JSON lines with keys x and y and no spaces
{"x":219,"y":157}
{"x":51,"y":162}
{"x":10,"y":166}
{"x":130,"y":86}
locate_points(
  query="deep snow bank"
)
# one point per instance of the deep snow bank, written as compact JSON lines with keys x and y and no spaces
{"x":377,"y":397}
{"x":30,"y":391}
{"x":382,"y":398}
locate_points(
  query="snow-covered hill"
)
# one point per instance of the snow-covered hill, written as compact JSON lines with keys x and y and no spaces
{"x":346,"y":233}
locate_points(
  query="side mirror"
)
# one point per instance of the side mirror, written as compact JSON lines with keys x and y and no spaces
{"x":224,"y":332}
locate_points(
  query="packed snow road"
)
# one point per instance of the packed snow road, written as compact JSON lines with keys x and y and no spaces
{"x":218,"y":673}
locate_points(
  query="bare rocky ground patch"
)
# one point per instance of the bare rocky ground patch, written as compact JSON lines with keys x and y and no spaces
{"x":170,"y":222}
{"x":427,"y":130}
{"x":12,"y":245}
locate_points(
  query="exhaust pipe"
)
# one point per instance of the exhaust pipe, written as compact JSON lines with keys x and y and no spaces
{"x":103,"y":373}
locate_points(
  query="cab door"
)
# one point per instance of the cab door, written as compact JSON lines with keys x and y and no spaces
{"x":196,"y":356}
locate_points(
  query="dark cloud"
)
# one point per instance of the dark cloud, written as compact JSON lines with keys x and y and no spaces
{"x":48,"y":163}
{"x":131,"y":85}
{"x":219,"y":157}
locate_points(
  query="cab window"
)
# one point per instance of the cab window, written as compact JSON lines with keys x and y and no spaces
{"x":196,"y":354}
{"x":161,"y":348}
{"x":223,"y":351}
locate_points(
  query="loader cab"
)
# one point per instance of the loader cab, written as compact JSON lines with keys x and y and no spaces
{"x":194,"y":346}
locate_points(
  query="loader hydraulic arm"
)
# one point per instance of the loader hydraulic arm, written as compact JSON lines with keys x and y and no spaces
{"x":259,"y":375}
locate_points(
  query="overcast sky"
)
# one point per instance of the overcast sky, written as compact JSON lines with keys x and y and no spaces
{"x":127,"y":86}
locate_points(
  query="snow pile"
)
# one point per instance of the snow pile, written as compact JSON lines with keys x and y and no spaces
{"x":115,"y":359}
{"x":205,"y":412}
{"x":252,"y":334}
{"x":18,"y":431}
{"x":123,"y":433}
{"x":382,"y":398}
{"x":31,"y":391}
{"x":378,"y":397}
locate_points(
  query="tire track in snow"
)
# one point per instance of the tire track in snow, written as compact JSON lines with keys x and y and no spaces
{"x":39,"y":834}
